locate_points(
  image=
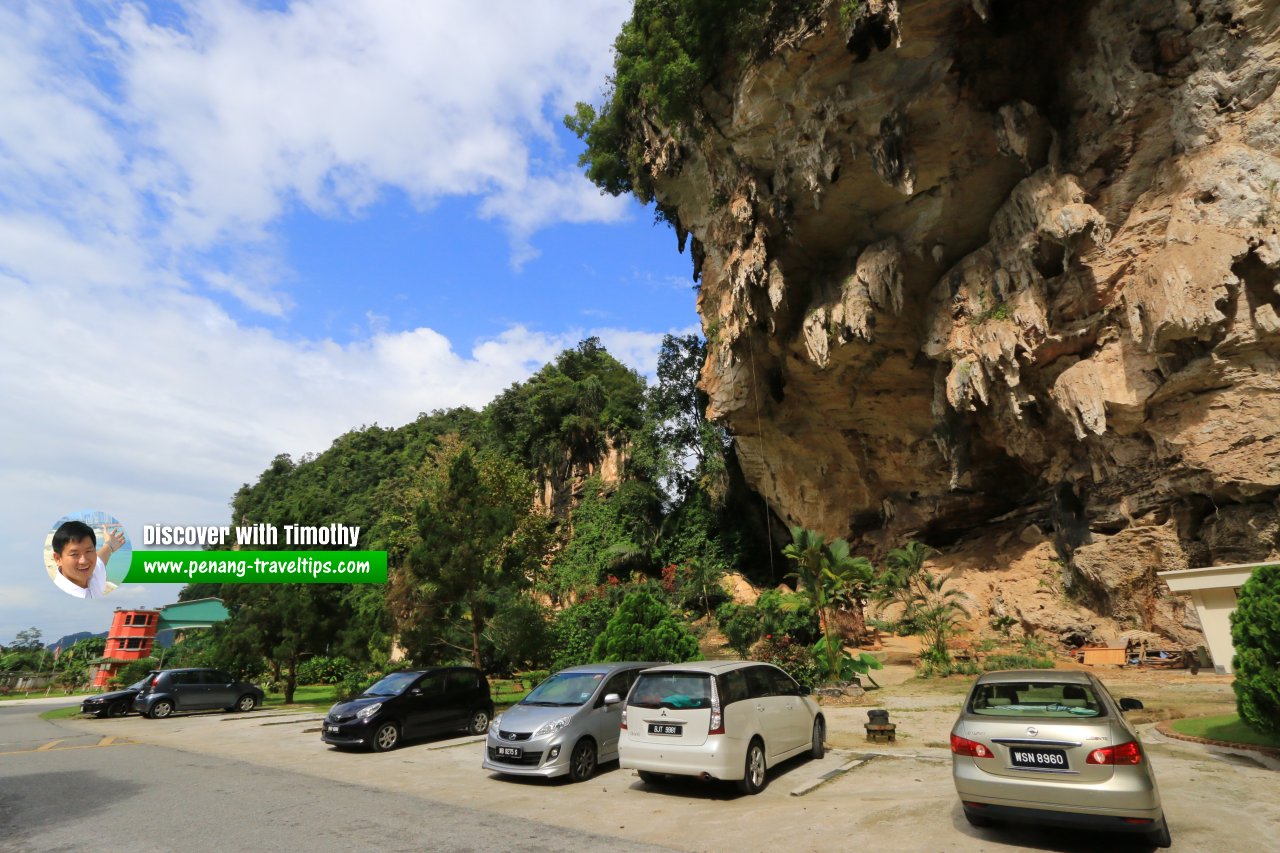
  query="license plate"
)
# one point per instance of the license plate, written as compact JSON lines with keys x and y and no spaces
{"x":332,"y":729}
{"x":1040,"y":759}
{"x":510,"y":751}
{"x":664,"y":729}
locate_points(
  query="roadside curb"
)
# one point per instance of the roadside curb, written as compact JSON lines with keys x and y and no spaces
{"x":852,"y":764}
{"x":1268,"y":757}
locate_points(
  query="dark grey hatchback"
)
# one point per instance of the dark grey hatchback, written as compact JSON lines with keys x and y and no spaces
{"x":405,"y":705}
{"x":173,"y":690}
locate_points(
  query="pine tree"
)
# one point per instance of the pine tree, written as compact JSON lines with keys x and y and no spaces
{"x":645,"y":629}
{"x":1255,"y":631}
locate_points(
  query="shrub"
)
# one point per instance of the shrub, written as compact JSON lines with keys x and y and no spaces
{"x":133,"y":671}
{"x":358,"y":682}
{"x":1015,"y":661}
{"x":534,"y":677}
{"x":794,"y":658}
{"x":1255,"y":631}
{"x":575,"y":631}
{"x":848,"y":667}
{"x":324,"y":670}
{"x":644,"y":628}
{"x":789,"y":613}
{"x":741,"y":624}
{"x":933,"y":668}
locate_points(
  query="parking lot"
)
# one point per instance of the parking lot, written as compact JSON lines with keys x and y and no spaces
{"x":897,"y":796}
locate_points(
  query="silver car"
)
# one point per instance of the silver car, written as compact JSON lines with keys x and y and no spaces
{"x":1053,"y":748}
{"x":568,"y":724}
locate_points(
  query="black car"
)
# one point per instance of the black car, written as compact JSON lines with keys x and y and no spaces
{"x":117,"y":703}
{"x":194,"y":690}
{"x":412,"y":704}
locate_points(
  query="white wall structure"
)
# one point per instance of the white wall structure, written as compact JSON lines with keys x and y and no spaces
{"x":1213,"y":590}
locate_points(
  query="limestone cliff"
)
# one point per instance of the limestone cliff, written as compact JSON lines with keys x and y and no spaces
{"x":970,"y":265}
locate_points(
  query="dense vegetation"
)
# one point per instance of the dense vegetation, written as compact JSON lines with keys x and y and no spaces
{"x":480,"y":570}
{"x":667,"y":55}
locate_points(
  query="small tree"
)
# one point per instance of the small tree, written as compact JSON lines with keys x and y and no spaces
{"x":643,"y":629}
{"x":1255,"y":631}
{"x":934,"y":612}
{"x":808,"y":550}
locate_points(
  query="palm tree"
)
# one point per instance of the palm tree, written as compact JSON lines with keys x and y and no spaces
{"x":900,"y":583}
{"x":809,"y":551}
{"x":935,"y":610}
{"x":852,"y":580}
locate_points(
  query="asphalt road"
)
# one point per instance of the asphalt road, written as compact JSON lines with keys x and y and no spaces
{"x":264,"y":781}
{"x":63,"y":789}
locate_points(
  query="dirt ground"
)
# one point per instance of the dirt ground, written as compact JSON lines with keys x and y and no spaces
{"x":881,"y":797}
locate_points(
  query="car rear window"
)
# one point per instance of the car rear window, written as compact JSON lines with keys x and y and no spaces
{"x":1035,"y":699}
{"x":672,"y":690}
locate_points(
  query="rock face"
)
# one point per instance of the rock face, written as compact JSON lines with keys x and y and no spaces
{"x":963,"y":262}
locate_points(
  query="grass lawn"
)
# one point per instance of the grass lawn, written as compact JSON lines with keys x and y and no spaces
{"x":319,"y":696}
{"x":61,"y":713}
{"x":40,"y":694}
{"x":1228,"y":727}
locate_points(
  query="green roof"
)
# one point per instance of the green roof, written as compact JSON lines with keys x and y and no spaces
{"x":201,"y":613}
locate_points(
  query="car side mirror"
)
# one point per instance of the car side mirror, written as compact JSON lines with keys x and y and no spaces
{"x":805,"y":690}
{"x":1128,"y":704}
{"x":612,"y":699}
{"x":417,"y":691}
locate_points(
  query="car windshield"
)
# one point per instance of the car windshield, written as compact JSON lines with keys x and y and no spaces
{"x":1035,"y":699}
{"x":568,"y":689}
{"x":672,"y":690}
{"x":138,"y":685}
{"x":393,"y":685}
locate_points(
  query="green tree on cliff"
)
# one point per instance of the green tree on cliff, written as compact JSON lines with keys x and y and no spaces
{"x":1255,"y":631}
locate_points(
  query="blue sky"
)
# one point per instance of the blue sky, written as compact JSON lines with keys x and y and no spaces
{"x":231,"y":229}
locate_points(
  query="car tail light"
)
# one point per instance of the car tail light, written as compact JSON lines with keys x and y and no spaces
{"x":155,"y":681}
{"x":716,"y":725}
{"x":1125,"y":753}
{"x":964,"y":746}
{"x":624,"y":719}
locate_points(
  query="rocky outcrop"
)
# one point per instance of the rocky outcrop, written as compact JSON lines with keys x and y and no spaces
{"x":562,"y":486}
{"x":963,"y":262}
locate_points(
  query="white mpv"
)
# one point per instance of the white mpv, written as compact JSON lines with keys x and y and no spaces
{"x":730,"y":720}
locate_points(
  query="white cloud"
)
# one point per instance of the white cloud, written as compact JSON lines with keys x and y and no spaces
{"x":329,"y":102}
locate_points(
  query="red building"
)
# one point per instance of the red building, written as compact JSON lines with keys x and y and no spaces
{"x":133,"y":632}
{"x":131,"y":636}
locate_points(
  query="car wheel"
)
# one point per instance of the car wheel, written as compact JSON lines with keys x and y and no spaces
{"x":650,"y":778}
{"x":386,"y":737}
{"x":1160,"y":837}
{"x":818,"y":749}
{"x":247,"y":702}
{"x":479,"y":722}
{"x":753,"y":776}
{"x":582,"y":763}
{"x":118,"y":709}
{"x":161,"y":709}
{"x":977,"y":819}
